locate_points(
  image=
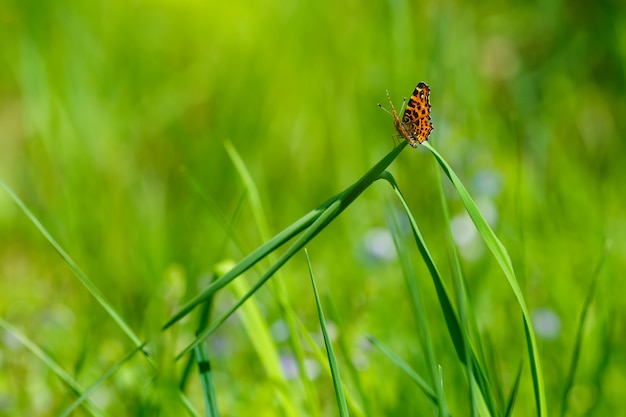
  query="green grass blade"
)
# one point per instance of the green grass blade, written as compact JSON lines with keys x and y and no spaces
{"x":91,"y":287}
{"x":418,"y":311}
{"x":332,"y":360}
{"x":569,"y":381}
{"x":204,"y":315}
{"x":93,"y":387}
{"x":535,"y":367}
{"x":502,"y":257}
{"x":322,"y":359}
{"x":206,"y":379}
{"x":214,"y":208}
{"x":466,"y":312}
{"x":493,"y":365}
{"x":188,"y":405}
{"x":310,"y":222}
{"x":445,"y":302}
{"x":52,"y":364}
{"x":253,"y":193}
{"x":300,"y":356}
{"x":607,"y":355}
{"x":513,"y":395}
{"x":345,"y":352}
{"x":419,"y":381}
{"x":201,"y":357}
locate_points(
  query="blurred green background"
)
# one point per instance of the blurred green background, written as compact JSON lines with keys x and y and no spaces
{"x":101,"y":103}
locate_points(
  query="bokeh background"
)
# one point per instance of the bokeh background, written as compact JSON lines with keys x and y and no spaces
{"x":102,"y":103}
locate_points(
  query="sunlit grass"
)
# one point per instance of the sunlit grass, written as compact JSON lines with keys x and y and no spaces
{"x":271,"y":108}
{"x":311,"y":225}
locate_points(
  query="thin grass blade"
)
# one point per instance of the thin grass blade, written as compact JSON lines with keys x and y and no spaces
{"x":201,"y":356}
{"x":206,"y":379}
{"x":213,"y":207}
{"x":332,"y":360}
{"x":322,"y":359}
{"x":52,"y":364}
{"x":569,"y":381}
{"x":406,"y":368}
{"x":418,"y":310}
{"x":188,"y":405}
{"x":93,"y":387}
{"x":466,"y":312}
{"x":513,"y":395}
{"x":91,"y":287}
{"x":345,"y":352}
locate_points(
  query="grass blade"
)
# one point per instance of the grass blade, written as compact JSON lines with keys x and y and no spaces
{"x":52,"y":364}
{"x":466,"y":312}
{"x":213,"y":207}
{"x":322,"y":359}
{"x":421,"y":382}
{"x":352,"y":370}
{"x":91,"y":287}
{"x":188,"y":405}
{"x":332,"y":360}
{"x":201,"y":356}
{"x":569,"y":381}
{"x":206,"y":378}
{"x":513,"y":395}
{"x":93,"y":387}
{"x":418,"y":311}
{"x":502,"y":257}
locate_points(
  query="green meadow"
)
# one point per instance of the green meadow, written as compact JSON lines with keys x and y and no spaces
{"x":203,"y":211}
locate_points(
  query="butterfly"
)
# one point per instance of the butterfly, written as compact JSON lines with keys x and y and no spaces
{"x":415,"y":125}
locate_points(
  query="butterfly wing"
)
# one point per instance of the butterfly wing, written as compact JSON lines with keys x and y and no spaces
{"x":416,"y":117}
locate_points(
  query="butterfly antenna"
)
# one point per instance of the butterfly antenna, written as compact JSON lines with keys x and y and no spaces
{"x":389,"y":99}
{"x":403,"y":104}
{"x":382,"y":108}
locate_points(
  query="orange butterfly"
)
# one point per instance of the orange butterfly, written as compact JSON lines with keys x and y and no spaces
{"x":415,"y":125}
